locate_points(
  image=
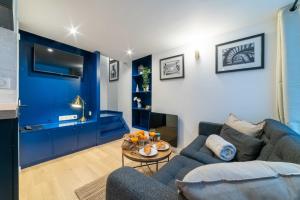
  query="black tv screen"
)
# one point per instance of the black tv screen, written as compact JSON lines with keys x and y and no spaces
{"x":54,"y":61}
{"x":166,"y":125}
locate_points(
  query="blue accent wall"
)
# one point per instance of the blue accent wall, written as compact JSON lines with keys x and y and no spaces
{"x":44,"y":97}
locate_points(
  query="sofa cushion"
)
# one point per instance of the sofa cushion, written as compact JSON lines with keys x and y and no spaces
{"x":258,"y":180}
{"x":273,"y":132}
{"x":176,"y":169}
{"x":248,"y":147}
{"x":198,"y":151}
{"x":287,"y":149}
{"x":244,"y":126}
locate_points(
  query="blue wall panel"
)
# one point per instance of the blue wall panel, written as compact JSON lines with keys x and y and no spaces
{"x":46,"y":96}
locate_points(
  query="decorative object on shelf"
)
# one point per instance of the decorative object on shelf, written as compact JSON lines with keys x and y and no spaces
{"x":172,"y":67}
{"x":147,"y":107}
{"x":239,"y":55}
{"x":137,"y":88}
{"x":78,"y":102}
{"x":138,"y":101}
{"x":140,"y":69}
{"x":114,"y":70}
{"x":146,"y":79}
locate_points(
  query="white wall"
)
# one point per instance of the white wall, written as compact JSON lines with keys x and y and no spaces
{"x":104,"y":82}
{"x":9,"y":64}
{"x":124,"y":92}
{"x":8,"y":69}
{"x":116,"y":95}
{"x":205,"y":96}
{"x":108,"y":90}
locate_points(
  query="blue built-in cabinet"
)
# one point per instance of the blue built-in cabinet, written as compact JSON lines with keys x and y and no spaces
{"x":141,"y":116}
{"x":112,"y":126}
{"x":55,"y":140}
{"x":45,"y":97}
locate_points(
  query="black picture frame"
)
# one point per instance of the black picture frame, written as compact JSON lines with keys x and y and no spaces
{"x":111,"y":64}
{"x":169,"y":58}
{"x":262,"y":59}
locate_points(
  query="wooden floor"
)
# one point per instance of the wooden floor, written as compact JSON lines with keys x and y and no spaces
{"x":57,"y":179}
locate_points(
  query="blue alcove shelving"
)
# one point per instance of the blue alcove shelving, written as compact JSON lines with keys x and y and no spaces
{"x":141,"y":116}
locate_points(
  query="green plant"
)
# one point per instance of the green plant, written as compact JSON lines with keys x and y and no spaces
{"x":146,"y":80}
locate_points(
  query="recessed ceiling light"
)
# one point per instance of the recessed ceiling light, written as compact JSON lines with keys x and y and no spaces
{"x":50,"y":50}
{"x":129,"y":52}
{"x":73,"y":30}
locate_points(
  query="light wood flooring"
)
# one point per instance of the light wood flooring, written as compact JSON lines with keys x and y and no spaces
{"x":57,"y":179}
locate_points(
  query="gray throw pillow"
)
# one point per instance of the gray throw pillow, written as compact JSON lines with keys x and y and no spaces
{"x":259,"y":180}
{"x":248,"y":147}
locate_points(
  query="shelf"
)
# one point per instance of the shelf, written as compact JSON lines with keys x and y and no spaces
{"x":142,"y":92}
{"x":140,"y":127}
{"x":141,"y":116}
{"x":142,"y":109}
{"x":137,"y":75}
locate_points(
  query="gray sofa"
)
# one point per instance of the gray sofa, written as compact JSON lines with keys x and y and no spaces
{"x":281,"y":144}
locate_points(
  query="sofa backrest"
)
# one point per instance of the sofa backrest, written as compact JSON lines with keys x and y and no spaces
{"x":287,"y":149}
{"x":275,"y":149}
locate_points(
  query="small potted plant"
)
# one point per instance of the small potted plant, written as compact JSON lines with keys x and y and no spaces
{"x":146,"y":79}
{"x":138,"y":101}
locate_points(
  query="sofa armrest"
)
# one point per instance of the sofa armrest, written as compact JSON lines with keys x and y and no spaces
{"x":128,"y":184}
{"x":208,"y":128}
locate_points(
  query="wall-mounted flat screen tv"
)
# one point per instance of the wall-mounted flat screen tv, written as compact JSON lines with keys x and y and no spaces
{"x":58,"y":62}
{"x":166,"y":125}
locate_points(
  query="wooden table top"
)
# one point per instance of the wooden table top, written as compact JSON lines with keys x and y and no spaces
{"x":134,"y":155}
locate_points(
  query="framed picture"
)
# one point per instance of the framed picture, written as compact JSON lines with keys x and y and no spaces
{"x":239,"y":55}
{"x":172,"y":67}
{"x":114,"y":70}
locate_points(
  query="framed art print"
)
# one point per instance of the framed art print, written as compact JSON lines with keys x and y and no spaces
{"x":172,"y":67}
{"x":239,"y":55}
{"x":114,"y":70}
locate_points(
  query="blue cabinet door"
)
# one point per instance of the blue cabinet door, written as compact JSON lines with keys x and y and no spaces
{"x":8,"y":164}
{"x":87,"y":135}
{"x":35,"y":147}
{"x":64,"y":140}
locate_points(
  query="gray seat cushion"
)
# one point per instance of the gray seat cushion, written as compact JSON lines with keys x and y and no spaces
{"x":176,"y":169}
{"x":198,"y":151}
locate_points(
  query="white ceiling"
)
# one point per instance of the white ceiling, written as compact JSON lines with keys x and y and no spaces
{"x":146,"y":26}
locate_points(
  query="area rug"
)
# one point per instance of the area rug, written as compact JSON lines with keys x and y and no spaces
{"x":96,"y":189}
{"x":92,"y":191}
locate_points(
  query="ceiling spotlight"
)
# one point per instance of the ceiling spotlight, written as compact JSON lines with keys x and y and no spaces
{"x":129,"y":52}
{"x":73,"y":30}
{"x":50,"y":50}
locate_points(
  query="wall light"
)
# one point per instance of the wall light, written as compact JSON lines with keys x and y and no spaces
{"x":197,"y":55}
{"x":50,"y":50}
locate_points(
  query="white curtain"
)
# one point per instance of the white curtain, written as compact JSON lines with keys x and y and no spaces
{"x":288,"y":67}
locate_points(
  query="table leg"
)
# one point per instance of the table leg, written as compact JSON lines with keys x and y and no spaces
{"x":157,"y":166}
{"x":168,"y":158}
{"x":122,"y":160}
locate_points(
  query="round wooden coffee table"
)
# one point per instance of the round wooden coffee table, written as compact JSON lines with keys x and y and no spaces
{"x":134,"y":155}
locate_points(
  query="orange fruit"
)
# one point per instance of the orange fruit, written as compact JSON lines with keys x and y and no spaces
{"x":134,"y":139}
{"x":152,"y":134}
